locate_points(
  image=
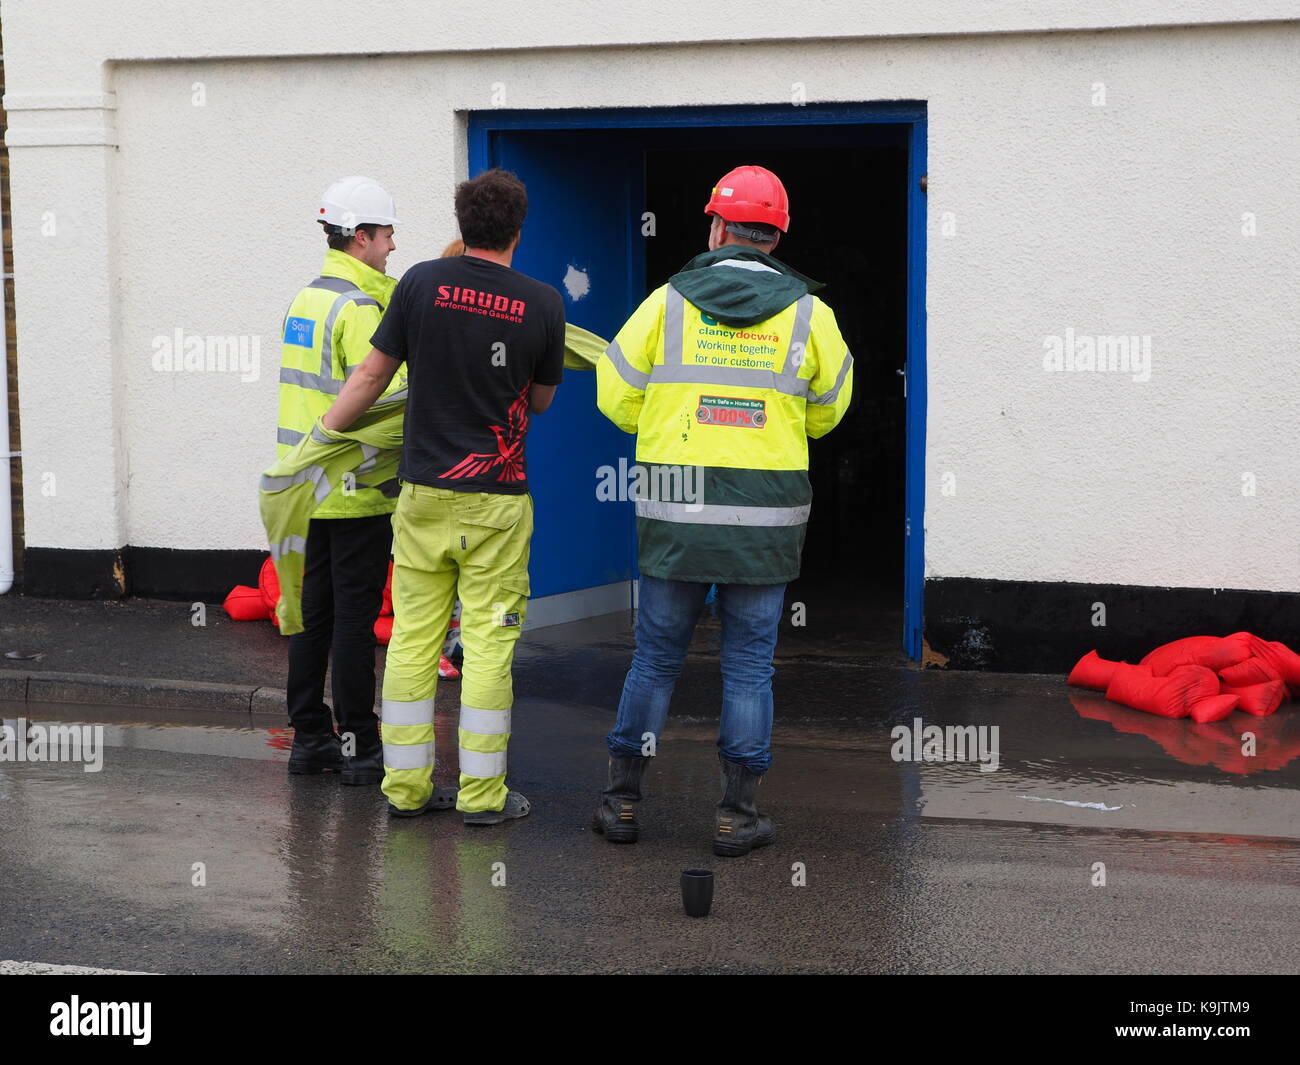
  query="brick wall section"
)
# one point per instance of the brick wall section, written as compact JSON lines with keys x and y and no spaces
{"x":11,"y":350}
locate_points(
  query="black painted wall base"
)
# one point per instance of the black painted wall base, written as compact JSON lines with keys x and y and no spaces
{"x":149,"y":572}
{"x":1043,"y":627}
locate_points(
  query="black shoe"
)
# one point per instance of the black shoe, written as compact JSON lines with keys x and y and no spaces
{"x":615,"y":817}
{"x":315,"y":752}
{"x":740,"y":826}
{"x":367,"y":765}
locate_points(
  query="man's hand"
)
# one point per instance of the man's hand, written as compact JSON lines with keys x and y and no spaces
{"x":361,"y":390}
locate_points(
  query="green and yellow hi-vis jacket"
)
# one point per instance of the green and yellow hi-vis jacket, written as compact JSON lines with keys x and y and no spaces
{"x":326,"y":337}
{"x":363,"y":457}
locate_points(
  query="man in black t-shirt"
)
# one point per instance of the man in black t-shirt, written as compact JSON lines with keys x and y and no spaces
{"x":484,"y":349}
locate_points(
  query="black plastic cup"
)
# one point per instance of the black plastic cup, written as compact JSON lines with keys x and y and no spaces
{"x":697,"y":891}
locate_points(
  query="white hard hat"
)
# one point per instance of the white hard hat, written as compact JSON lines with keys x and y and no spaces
{"x":355,"y":201}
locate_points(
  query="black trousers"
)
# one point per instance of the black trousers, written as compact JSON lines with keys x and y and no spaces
{"x":342,"y":593}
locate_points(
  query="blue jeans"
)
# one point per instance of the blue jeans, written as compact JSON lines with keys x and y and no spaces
{"x":666,"y":619}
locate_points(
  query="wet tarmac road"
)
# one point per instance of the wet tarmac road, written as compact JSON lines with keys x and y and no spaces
{"x":910,"y":867}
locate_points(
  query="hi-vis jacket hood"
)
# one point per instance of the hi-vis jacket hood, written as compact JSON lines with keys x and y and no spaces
{"x":366,"y":278}
{"x":313,"y":469}
{"x":741,"y":286}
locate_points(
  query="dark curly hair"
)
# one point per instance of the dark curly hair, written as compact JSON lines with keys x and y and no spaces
{"x":490,"y":209}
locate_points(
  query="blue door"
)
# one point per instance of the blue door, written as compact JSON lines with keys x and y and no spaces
{"x":586,"y":174}
{"x":582,"y":236}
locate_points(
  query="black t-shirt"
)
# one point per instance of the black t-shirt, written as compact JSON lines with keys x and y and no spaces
{"x":475,"y":335}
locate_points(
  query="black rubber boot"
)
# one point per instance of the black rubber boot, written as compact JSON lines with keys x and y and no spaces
{"x":315,"y":752}
{"x":367,"y":765}
{"x":741,"y":827}
{"x":615,"y":817}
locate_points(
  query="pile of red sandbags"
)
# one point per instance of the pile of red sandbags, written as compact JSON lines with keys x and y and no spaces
{"x":1202,"y":677}
{"x":258,"y":604}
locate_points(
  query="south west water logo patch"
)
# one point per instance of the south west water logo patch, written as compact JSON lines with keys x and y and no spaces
{"x":299,"y":331}
{"x":722,"y":410}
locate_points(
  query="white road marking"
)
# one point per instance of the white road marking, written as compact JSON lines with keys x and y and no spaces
{"x":1073,"y":802}
{"x":40,"y":968}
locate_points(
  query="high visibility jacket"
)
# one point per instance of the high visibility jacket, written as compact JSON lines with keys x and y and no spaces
{"x":326,"y":337}
{"x":722,"y":415}
{"x":311,"y":471}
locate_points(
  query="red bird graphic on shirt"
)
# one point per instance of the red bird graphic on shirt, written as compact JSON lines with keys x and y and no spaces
{"x":508,"y":459}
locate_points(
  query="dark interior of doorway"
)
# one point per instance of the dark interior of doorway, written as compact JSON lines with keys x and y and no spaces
{"x":848,"y":198}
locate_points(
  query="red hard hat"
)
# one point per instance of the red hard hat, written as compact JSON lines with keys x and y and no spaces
{"x":751,"y":194}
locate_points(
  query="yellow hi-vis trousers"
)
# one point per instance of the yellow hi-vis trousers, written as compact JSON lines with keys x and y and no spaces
{"x":475,"y":545}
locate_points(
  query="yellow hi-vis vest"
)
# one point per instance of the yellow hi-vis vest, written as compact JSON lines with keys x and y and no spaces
{"x":326,"y":337}
{"x":722,"y":417}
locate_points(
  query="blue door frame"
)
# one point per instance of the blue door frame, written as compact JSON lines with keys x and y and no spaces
{"x":910,"y":114}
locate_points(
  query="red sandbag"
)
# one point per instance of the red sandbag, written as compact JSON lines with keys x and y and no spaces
{"x":246,"y":604}
{"x":387,"y":608}
{"x":1259,"y":699}
{"x":1187,"y":651}
{"x":1213,"y":708}
{"x":269,"y":581}
{"x":1193,"y":683}
{"x":1170,"y":696}
{"x":1092,"y":671}
{"x":1284,"y":660}
{"x":1251,"y":671}
{"x":1230,"y":650}
{"x":1213,"y":652}
{"x":384,"y":628}
{"x":1132,"y":685}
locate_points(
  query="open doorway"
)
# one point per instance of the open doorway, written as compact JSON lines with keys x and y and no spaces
{"x":856,"y":226}
{"x":848,"y":230}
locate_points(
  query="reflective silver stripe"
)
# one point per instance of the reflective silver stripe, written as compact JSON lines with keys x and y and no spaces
{"x":747,"y":264}
{"x":397,"y":712}
{"x":408,"y":756}
{"x":482,"y":764}
{"x":794,"y":356}
{"x":287,"y":436}
{"x":393,"y":397}
{"x":287,"y":546}
{"x":371,"y":454}
{"x":333,"y":284}
{"x":626,"y":370}
{"x":350,"y":295}
{"x":329,"y":385}
{"x":484,"y":722}
{"x":319,"y":437}
{"x":727,"y":375}
{"x":829,"y":397}
{"x":314,"y":474}
{"x":720,"y":514}
{"x":674,"y":303}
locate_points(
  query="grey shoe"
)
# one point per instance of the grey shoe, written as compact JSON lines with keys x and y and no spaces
{"x":516,"y":806}
{"x":441,"y":799}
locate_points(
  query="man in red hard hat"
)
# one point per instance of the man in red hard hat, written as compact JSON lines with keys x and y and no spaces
{"x":723,"y":374}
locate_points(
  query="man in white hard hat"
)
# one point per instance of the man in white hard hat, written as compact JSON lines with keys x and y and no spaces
{"x":326,"y":336}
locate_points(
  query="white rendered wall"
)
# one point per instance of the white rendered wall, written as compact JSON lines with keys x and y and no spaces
{"x":1048,"y":211}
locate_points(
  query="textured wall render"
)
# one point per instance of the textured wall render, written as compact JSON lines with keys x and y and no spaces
{"x":1048,"y":212}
